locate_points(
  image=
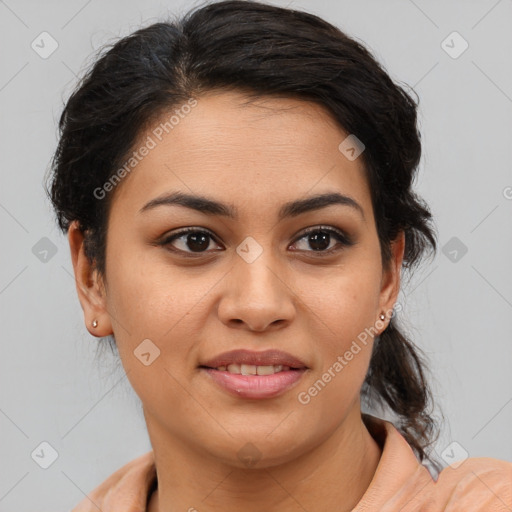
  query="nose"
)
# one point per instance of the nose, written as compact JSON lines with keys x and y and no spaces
{"x":256,"y":296}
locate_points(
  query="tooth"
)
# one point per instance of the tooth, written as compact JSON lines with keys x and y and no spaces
{"x":267,"y":370}
{"x":233,"y":368}
{"x":248,"y":369}
{"x":251,"y":369}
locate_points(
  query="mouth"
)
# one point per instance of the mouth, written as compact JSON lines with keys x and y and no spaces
{"x":240,"y":361}
{"x":255,"y":375}
{"x":252,"y":369}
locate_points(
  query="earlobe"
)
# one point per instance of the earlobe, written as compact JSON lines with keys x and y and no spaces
{"x":89,"y":286}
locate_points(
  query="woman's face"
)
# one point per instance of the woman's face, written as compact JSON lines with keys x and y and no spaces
{"x":255,"y":281}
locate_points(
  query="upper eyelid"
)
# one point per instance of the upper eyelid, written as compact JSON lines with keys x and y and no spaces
{"x":304,"y":232}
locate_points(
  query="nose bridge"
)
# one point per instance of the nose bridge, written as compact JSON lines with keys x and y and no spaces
{"x":256,"y":268}
{"x":257,"y":294}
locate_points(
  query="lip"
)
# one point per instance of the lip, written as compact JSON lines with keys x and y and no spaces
{"x":255,"y":386}
{"x":265,"y":358}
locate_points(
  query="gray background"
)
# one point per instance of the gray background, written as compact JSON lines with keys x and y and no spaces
{"x":457,"y":308}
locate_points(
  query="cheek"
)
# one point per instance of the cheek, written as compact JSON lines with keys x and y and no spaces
{"x":146,"y":295}
{"x":343,"y":310}
{"x":343,"y":316}
{"x":150,"y":299}
{"x":155,"y":311}
{"x":343,"y":305}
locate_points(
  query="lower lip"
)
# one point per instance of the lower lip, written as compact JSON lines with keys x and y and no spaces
{"x":255,"y":386}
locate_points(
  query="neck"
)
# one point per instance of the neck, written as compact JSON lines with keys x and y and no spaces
{"x":331,"y":476}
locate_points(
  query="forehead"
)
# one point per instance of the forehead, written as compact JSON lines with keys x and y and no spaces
{"x":265,"y":150}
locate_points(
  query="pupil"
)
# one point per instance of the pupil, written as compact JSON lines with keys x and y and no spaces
{"x":318,"y":240}
{"x":201,"y":241}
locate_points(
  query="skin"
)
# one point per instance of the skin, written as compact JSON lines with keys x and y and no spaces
{"x":318,"y":456}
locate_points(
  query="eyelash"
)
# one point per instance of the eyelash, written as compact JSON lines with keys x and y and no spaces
{"x":343,"y":240}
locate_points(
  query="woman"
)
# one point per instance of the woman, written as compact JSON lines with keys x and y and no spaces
{"x":236,"y":187}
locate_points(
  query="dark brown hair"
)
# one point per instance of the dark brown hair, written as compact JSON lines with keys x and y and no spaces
{"x":262,"y":50}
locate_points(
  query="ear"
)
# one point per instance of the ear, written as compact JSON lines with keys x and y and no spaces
{"x":89,"y":285}
{"x":390,"y":283}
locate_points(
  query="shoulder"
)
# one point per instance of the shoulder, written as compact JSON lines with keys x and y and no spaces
{"x":125,"y":490}
{"x":402,"y":483}
{"x":473,"y":485}
{"x":482,"y":483}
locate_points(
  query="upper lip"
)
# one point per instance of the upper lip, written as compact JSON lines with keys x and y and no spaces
{"x":266,"y":358}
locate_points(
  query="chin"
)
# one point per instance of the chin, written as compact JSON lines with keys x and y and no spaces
{"x":259,"y":451}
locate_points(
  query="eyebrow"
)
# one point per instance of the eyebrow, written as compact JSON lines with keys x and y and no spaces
{"x":291,"y":209}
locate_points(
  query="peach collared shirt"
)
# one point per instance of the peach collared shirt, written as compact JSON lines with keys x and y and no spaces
{"x":400,"y":484}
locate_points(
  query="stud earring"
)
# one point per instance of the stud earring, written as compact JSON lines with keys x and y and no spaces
{"x":95,"y":323}
{"x":382,"y":316}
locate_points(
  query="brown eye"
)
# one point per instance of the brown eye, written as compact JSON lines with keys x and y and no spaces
{"x":320,"y":240}
{"x":189,"y":240}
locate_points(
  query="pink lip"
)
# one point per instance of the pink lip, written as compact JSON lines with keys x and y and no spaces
{"x":266,"y":358}
{"x":255,"y":386}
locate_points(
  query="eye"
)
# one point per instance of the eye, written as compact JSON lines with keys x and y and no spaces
{"x":189,"y":240}
{"x":320,"y":239}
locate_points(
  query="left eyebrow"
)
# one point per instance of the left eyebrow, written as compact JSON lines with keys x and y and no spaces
{"x":291,"y":209}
